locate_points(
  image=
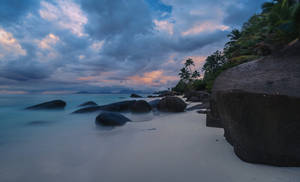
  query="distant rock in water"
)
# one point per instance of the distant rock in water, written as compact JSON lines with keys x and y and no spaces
{"x":89,"y":103}
{"x":258,"y":104}
{"x":55,"y":104}
{"x":39,"y":123}
{"x":135,"y":96}
{"x":115,"y":107}
{"x":171,"y":104}
{"x":111,"y":119}
{"x":141,"y":106}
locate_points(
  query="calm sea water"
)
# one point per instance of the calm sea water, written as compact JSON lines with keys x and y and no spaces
{"x":15,"y":121}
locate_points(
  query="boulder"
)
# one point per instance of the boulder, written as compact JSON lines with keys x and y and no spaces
{"x":89,"y":103}
{"x":154,"y":103}
{"x":212,"y":117}
{"x":165,"y":93}
{"x":135,"y":96}
{"x":55,"y":104}
{"x":258,"y":104}
{"x":111,"y":119}
{"x":171,"y":104}
{"x":197,"y":96}
{"x":152,"y":96}
{"x":140,"y":106}
{"x":115,"y":107}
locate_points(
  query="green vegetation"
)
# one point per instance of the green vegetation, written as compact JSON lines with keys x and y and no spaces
{"x":189,"y":78}
{"x":277,"y":25}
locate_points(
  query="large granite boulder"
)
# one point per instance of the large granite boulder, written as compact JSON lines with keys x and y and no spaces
{"x":140,"y":106}
{"x":55,"y":104}
{"x":89,"y":103}
{"x":111,"y":119}
{"x":171,"y":104}
{"x":258,"y":104}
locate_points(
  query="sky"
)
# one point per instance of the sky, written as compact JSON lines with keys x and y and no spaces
{"x":66,"y":46}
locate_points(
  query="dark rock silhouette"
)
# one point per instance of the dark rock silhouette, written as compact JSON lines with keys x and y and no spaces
{"x":111,"y":119}
{"x":258,"y":104}
{"x":171,"y":104}
{"x":141,"y":106}
{"x":55,"y":104}
{"x":89,"y":103}
{"x":154,"y":103}
{"x":197,"y":96}
{"x":135,"y":96}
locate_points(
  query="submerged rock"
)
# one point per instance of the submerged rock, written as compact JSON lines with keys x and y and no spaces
{"x":135,"y":96}
{"x":115,"y":107}
{"x":258,"y":104}
{"x":111,"y":119}
{"x":140,"y":106}
{"x":89,"y":103}
{"x":55,"y":104}
{"x":171,"y":104}
{"x":39,"y":123}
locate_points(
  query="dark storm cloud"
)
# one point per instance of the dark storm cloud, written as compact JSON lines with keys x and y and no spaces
{"x":241,"y":11}
{"x":116,"y":18}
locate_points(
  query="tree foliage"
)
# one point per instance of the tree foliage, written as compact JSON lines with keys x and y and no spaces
{"x":188,"y":77}
{"x":277,"y":25}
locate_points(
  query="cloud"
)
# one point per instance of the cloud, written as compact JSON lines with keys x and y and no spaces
{"x":66,"y":14}
{"x":9,"y":46}
{"x":153,"y":78}
{"x":56,"y":46}
{"x":48,"y":41}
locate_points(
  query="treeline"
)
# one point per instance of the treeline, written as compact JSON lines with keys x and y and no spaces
{"x":277,"y":25}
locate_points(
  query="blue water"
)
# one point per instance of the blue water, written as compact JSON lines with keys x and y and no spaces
{"x":15,"y":121}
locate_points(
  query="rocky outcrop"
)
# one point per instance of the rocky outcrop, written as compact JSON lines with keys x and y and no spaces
{"x":55,"y":104}
{"x":197,"y":96}
{"x":111,"y":119}
{"x":171,"y":104}
{"x":135,"y":96}
{"x":89,"y":103}
{"x":258,"y":104}
{"x":154,"y":103}
{"x":115,"y":107}
{"x":140,"y":106}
